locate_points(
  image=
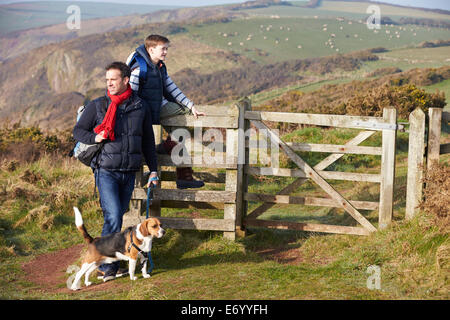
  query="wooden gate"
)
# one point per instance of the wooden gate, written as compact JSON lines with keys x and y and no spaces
{"x":387,"y":124}
{"x":236,"y":121}
{"x":225,"y":118}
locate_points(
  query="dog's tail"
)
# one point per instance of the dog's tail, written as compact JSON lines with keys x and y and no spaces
{"x":80,"y":225}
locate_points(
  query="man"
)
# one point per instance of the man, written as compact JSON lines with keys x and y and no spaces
{"x":162,"y":94}
{"x":122,"y":122}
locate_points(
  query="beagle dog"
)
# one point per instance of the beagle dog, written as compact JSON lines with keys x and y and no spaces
{"x":130,"y":244}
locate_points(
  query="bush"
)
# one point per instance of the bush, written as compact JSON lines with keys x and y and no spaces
{"x":28,"y":144}
{"x":384,"y":71}
{"x":367,"y":98}
{"x":404,"y":98}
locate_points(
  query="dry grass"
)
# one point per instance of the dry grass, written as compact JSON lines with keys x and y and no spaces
{"x":437,"y":195}
{"x":37,"y":218}
{"x":40,"y":216}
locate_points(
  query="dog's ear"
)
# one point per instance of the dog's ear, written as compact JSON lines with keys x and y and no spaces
{"x":143,"y":228}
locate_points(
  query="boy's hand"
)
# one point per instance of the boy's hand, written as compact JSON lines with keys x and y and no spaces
{"x":197,"y":113}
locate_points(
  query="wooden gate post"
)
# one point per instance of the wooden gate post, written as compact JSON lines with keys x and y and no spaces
{"x":434,"y":136}
{"x":156,"y":204}
{"x":243,"y":161}
{"x":232,"y":181}
{"x":387,"y":169}
{"x":416,"y":152}
{"x":138,"y":206}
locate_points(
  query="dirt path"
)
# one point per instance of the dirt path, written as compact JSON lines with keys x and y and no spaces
{"x":49,"y":270}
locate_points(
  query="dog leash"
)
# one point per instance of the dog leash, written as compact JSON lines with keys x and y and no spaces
{"x":151,"y":265}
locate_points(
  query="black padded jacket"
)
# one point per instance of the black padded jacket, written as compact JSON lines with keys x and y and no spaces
{"x":133,"y":133}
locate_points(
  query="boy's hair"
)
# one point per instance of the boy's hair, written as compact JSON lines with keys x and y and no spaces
{"x":154,"y":39}
{"x":125,"y":70}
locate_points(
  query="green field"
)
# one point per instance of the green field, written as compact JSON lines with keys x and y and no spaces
{"x":405,"y":59}
{"x":385,"y":10}
{"x":347,"y":9}
{"x":271,"y":40}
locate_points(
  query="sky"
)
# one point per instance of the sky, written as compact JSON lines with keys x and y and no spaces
{"x":439,"y":4}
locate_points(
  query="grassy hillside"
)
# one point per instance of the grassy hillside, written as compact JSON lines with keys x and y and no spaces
{"x":407,"y":60}
{"x":39,"y":240}
{"x":386,"y":10}
{"x":218,"y":54}
{"x":269,"y":40}
{"x":27,"y":15}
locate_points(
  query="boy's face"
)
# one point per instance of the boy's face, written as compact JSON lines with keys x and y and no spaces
{"x":159,"y":52}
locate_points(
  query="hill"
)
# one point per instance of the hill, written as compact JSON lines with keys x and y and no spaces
{"x":28,"y":15}
{"x":19,"y":42}
{"x":368,"y":97}
{"x":218,"y":54}
{"x":266,"y":39}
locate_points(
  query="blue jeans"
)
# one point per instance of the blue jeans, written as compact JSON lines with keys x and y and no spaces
{"x":115,"y":189}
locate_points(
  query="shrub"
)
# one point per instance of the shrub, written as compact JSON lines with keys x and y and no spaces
{"x":27,"y":144}
{"x":384,"y":71}
{"x":366,"y":98}
{"x":404,"y":98}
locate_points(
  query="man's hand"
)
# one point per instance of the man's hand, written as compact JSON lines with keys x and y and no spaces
{"x":100,"y":137}
{"x":154,"y":182}
{"x":197,"y":113}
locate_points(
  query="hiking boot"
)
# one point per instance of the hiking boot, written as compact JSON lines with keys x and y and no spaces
{"x":100,"y":275}
{"x":109,"y":275}
{"x":185,"y":179}
{"x":166,"y":146}
{"x":121,"y":272}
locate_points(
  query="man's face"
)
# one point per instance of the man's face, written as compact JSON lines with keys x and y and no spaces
{"x":159,"y":52}
{"x":115,"y":83}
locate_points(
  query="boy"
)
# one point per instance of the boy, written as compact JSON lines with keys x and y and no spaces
{"x":163,"y":96}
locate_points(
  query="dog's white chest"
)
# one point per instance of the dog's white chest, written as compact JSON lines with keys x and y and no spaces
{"x":146,"y":245}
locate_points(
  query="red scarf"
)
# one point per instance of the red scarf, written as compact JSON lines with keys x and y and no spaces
{"x":110,"y":118}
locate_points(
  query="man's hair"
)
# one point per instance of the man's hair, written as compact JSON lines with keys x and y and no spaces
{"x":125,"y":70}
{"x":154,"y":39}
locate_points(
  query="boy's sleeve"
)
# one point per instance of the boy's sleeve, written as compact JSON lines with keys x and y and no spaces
{"x":148,"y":141}
{"x":84,"y":128}
{"x":176,"y":93}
